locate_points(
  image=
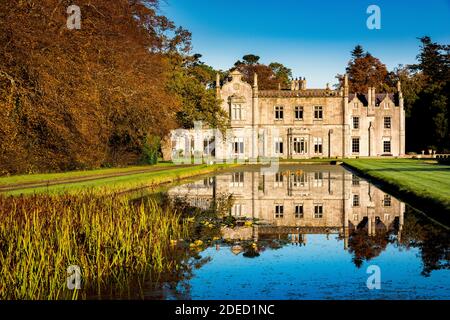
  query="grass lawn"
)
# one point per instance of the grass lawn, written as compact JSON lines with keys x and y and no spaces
{"x":121,"y":183}
{"x":426,"y":180}
{"x":30,"y":178}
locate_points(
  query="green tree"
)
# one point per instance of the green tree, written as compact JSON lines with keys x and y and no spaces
{"x":250,"y":59}
{"x":282,"y":73}
{"x":193,"y":83}
{"x":357,"y":52}
{"x":429,"y":109}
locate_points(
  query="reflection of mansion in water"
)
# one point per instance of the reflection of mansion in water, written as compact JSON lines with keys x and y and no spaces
{"x":314,"y":200}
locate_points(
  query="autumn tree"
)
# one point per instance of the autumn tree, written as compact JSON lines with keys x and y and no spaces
{"x":270,"y":77}
{"x":72,"y":99}
{"x":364,"y":71}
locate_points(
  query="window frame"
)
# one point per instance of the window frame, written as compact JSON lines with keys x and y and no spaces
{"x":357,"y":123}
{"x":234,"y":108}
{"x":356,"y":201}
{"x":278,"y":113}
{"x":299,"y":214}
{"x":278,"y":145}
{"x":387,"y":122}
{"x":385,"y":144}
{"x":318,"y":112}
{"x":279,"y":211}
{"x":358,"y":145}
{"x":301,"y":143}
{"x":299,"y":110}
{"x":318,"y":145}
{"x":238,"y":146}
{"x":318,"y":214}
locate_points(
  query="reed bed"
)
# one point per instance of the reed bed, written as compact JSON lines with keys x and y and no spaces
{"x":111,"y":238}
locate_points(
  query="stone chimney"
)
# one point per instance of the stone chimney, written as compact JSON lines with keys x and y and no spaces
{"x":303,"y":84}
{"x":217,"y":85}
{"x":374,"y":97}
{"x":345,"y":85}
{"x":369,"y":96}
{"x":399,"y":90}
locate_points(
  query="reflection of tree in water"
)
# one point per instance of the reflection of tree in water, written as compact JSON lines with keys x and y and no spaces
{"x":432,"y":240}
{"x":365,"y":247}
{"x":204,"y":227}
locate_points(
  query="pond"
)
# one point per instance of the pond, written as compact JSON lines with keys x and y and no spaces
{"x":310,"y":232}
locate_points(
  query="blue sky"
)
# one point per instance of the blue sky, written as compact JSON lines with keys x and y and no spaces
{"x":313,"y":38}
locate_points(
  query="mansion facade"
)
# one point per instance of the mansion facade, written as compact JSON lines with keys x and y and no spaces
{"x":299,"y":123}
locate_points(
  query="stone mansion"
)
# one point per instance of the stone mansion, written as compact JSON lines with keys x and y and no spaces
{"x":300,"y":123}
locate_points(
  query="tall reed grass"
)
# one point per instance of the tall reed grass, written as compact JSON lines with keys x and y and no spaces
{"x":111,"y":238}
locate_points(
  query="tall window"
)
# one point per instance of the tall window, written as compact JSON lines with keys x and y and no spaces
{"x":279,"y":211}
{"x":237,"y":179}
{"x":356,"y":200}
{"x":278,"y":145}
{"x":355,"y":180}
{"x":298,"y":211}
{"x":355,"y":122}
{"x":236,"y":210}
{"x":238,"y":146}
{"x":318,"y":113}
{"x":300,"y":146}
{"x":318,"y":179}
{"x":298,"y":113}
{"x":387,"y":122}
{"x":387,"y":200}
{"x":279,"y":113}
{"x":318,"y":211}
{"x":236,"y":112}
{"x":278,"y":179}
{"x":299,"y":179}
{"x":387,"y":146}
{"x":317,"y":145}
{"x":355,"y":145}
{"x":208,"y":146}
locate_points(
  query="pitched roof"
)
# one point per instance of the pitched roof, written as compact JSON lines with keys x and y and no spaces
{"x":379,"y":97}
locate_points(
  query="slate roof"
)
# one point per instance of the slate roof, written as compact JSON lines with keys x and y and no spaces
{"x":379,"y":97}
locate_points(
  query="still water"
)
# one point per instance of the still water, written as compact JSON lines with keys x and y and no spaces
{"x":310,"y":232}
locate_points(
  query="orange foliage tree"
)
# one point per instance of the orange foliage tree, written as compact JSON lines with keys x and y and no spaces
{"x":72,"y":99}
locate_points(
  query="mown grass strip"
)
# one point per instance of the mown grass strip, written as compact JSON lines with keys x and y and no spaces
{"x":123,"y":183}
{"x":35,"y":178}
{"x":427,"y":181}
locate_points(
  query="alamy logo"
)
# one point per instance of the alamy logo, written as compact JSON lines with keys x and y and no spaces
{"x":74,"y":18}
{"x":74,"y":278}
{"x":374,"y":280}
{"x":374,"y":20}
